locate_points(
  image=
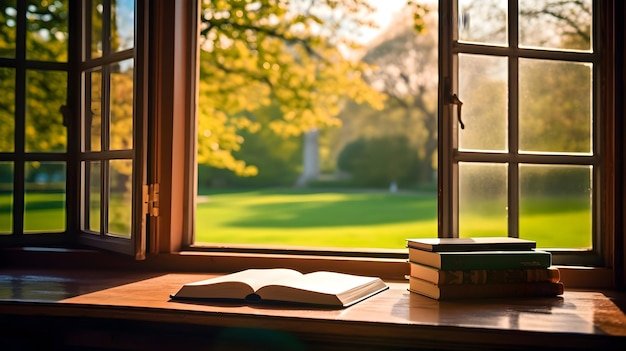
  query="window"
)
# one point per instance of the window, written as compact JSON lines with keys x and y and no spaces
{"x":525,"y":150}
{"x":522,"y":159}
{"x":112,"y":158}
{"x":71,"y":124}
{"x":33,"y":122}
{"x":78,"y":191}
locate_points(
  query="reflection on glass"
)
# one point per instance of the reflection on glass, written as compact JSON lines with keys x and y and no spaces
{"x":93,"y":120}
{"x":47,"y":33}
{"x":483,"y":208}
{"x":556,"y":24}
{"x":555,"y":205}
{"x":483,"y":90}
{"x":483,"y":21}
{"x":555,"y":106}
{"x":121,"y":106}
{"x":45,"y":94}
{"x":122,"y":25}
{"x":93,"y":199}
{"x":96,"y":28}
{"x":6,"y":197}
{"x":7,"y":109}
{"x":44,"y":197}
{"x":8,"y":25}
{"x":120,"y":197}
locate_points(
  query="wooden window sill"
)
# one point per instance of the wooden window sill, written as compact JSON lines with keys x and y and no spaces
{"x":117,"y":307}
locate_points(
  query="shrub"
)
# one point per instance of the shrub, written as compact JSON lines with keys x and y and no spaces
{"x":379,"y":161}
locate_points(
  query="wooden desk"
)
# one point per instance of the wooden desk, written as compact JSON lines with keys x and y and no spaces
{"x":113,"y":309}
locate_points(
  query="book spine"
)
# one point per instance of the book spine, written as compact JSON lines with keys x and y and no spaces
{"x":494,"y":260}
{"x":474,"y":291}
{"x":501,"y":290}
{"x":491,"y":276}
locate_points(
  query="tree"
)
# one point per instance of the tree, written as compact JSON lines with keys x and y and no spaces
{"x":257,"y":53}
{"x":46,"y":40}
{"x":403,"y":67}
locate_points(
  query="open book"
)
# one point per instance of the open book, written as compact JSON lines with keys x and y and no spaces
{"x":285,"y":285}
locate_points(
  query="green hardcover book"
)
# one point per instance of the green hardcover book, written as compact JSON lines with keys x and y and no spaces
{"x":482,"y":259}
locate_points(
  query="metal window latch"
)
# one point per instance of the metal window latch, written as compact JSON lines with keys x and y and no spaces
{"x":454,"y":100}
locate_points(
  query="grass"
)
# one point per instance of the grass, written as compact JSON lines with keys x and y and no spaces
{"x":338,"y":218}
{"x":335,"y":218}
{"x":372,"y":219}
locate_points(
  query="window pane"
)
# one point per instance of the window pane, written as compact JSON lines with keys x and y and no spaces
{"x":96,"y":28}
{"x":483,"y":89}
{"x":555,"y":205}
{"x":44,"y":197}
{"x":7,"y":110}
{"x":120,"y":197}
{"x":483,"y":21}
{"x":122,"y":25}
{"x":483,"y":206}
{"x":8,"y":25}
{"x":555,"y":106}
{"x":47,"y":30}
{"x":93,"y":116}
{"x":556,"y":24}
{"x":92,"y":198}
{"x":46,"y":93}
{"x":6,"y":197}
{"x":121,"y":106}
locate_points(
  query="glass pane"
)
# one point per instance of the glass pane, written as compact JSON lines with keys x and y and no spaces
{"x":483,"y":89}
{"x":7,"y":109}
{"x":483,"y":21}
{"x":47,"y":30}
{"x":555,"y":106}
{"x":121,"y":105}
{"x":556,"y":24}
{"x":556,"y":205}
{"x":44,"y":198}
{"x":122,"y":25}
{"x":6,"y":197}
{"x":96,"y":28}
{"x":120,"y":197}
{"x":93,"y":117}
{"x":8,"y":25}
{"x":45,"y":94}
{"x":483,"y":205}
{"x":93,"y":197}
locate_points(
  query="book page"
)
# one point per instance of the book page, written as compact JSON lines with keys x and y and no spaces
{"x":312,"y":288}
{"x":332,"y":283}
{"x":255,"y":278}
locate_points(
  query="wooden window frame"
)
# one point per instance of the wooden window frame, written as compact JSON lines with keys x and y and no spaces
{"x":170,"y":232}
{"x":171,"y":105}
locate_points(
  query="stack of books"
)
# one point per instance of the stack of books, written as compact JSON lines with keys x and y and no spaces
{"x":465,"y":268}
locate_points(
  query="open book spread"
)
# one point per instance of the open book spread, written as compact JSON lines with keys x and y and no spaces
{"x":285,"y":285}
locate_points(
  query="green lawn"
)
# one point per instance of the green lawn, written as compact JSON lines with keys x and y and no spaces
{"x":338,"y":218}
{"x":370,"y":219}
{"x":350,"y":218}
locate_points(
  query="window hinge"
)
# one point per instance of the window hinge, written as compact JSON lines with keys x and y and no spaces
{"x":151,"y":200}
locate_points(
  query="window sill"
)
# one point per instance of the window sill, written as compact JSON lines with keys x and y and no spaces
{"x":116,"y":309}
{"x":221,"y":262}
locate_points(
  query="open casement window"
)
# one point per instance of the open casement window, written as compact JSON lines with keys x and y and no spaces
{"x":34,"y":144}
{"x":521,"y":124}
{"x":112,"y":127}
